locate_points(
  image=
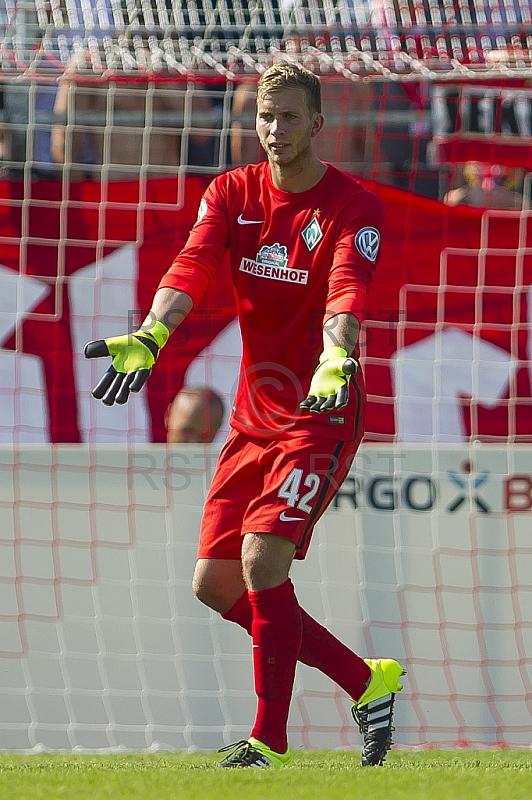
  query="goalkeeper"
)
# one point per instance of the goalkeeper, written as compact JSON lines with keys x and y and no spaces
{"x":303,"y":240}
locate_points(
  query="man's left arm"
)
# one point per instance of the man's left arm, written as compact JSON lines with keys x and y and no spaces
{"x":355,"y":255}
{"x":342,"y":330}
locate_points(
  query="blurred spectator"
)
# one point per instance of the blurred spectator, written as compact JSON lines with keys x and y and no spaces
{"x":114,"y":129}
{"x":24,"y":101}
{"x":28,"y":101}
{"x":487,"y":186}
{"x":2,"y":130}
{"x":195,"y":415}
{"x":403,"y":138}
{"x":245,"y":147}
{"x":348,"y":137}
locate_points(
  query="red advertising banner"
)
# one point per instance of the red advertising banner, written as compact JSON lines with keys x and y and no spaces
{"x":449,"y":312}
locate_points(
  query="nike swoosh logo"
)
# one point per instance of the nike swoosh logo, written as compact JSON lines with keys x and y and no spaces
{"x":242,"y":221}
{"x":284,"y":518}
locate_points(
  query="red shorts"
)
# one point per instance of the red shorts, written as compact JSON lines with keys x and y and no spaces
{"x":263,"y":486}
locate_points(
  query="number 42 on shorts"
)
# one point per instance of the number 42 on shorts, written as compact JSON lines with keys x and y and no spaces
{"x":289,"y":491}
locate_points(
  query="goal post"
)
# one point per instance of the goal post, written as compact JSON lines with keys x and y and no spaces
{"x":115,"y":117}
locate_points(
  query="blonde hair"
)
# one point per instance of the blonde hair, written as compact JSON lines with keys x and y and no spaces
{"x":285,"y":75}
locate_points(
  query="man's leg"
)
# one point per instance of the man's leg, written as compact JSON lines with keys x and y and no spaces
{"x":274,"y":619}
{"x":275,"y":630}
{"x":244,"y":597}
{"x":219,"y":583}
{"x":319,"y":649}
{"x":371,"y":684}
{"x":262,"y":577}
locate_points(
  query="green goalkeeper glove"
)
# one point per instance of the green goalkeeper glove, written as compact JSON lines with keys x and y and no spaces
{"x":133,"y":358}
{"x":329,"y":388}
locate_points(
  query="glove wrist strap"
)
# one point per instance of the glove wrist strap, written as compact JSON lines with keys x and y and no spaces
{"x":158,"y":331}
{"x":333,"y":352}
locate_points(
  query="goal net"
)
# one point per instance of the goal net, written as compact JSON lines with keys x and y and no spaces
{"x":116,"y":114}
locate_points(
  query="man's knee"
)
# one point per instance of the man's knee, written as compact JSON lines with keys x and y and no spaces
{"x":209,"y":593}
{"x":203,"y":592}
{"x":218,"y":584}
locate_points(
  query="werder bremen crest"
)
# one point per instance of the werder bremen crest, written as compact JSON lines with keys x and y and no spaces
{"x":275,"y":255}
{"x":312,"y":234}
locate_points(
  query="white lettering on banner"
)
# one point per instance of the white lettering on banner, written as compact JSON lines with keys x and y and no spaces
{"x":430,"y":375}
{"x":23,"y":404}
{"x":274,"y":273}
{"x":518,"y":493}
{"x":488,"y":102}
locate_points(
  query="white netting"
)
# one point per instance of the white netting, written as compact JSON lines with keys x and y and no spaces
{"x":481,"y":357}
{"x":447,"y":345}
{"x":426,"y":557}
{"x":115,"y":115}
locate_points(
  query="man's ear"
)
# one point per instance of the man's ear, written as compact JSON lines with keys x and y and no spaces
{"x":317,"y":124}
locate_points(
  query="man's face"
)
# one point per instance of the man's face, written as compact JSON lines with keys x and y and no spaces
{"x":286,"y":127}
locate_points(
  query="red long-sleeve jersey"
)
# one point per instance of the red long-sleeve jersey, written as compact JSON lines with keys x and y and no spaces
{"x":297,"y":260}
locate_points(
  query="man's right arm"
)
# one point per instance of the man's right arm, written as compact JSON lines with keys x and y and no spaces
{"x":170,"y":306}
{"x":134,"y":354}
{"x":180,"y":289}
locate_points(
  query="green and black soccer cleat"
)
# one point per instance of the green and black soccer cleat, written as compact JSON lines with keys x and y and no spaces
{"x":373,"y":712}
{"x":252,"y":753}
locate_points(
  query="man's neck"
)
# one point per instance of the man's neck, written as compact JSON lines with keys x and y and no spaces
{"x":297,"y":177}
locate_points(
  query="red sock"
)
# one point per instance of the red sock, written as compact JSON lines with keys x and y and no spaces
{"x":319,"y":648}
{"x":324,"y":651}
{"x":276,"y":634}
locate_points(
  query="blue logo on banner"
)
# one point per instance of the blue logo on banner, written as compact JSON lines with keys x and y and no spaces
{"x":367,"y":243}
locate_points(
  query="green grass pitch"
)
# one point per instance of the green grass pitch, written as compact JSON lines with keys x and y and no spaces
{"x":435,"y":775}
